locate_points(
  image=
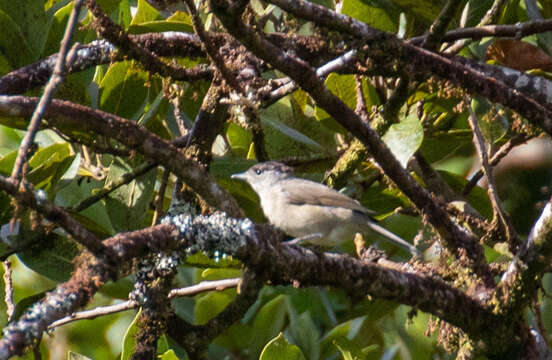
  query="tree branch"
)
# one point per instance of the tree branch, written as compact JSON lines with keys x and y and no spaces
{"x":416,"y":60}
{"x":131,"y":135}
{"x":453,"y":236}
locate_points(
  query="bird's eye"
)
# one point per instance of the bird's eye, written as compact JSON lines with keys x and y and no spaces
{"x":258,"y":171}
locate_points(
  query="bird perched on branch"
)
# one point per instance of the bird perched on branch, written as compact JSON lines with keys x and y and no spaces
{"x":309,"y":211}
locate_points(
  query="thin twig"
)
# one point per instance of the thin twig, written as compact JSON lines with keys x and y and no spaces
{"x":123,"y":180}
{"x":8,"y":290}
{"x":483,"y":152}
{"x":94,"y":313}
{"x":49,"y":91}
{"x":210,"y":49}
{"x":440,"y":24}
{"x":480,"y":31}
{"x":203,"y":286}
{"x":536,"y":306}
{"x":161,"y":197}
{"x":288,"y":86}
{"x":499,"y":155}
{"x":216,"y":285}
{"x":490,"y":17}
{"x":360,"y":109}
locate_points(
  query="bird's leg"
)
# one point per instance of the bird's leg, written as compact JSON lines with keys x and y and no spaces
{"x":306,"y":238}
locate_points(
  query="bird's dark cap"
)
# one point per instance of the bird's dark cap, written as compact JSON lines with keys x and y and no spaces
{"x":273,"y":166}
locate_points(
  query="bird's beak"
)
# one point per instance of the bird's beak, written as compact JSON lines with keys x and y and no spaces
{"x":240,"y":176}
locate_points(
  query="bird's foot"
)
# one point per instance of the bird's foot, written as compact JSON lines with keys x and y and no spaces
{"x":303,"y":239}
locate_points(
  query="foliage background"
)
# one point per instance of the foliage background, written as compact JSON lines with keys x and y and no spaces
{"x":323,"y":323}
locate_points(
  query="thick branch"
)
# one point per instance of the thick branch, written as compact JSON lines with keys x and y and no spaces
{"x":259,"y":251}
{"x":66,"y":114}
{"x":476,"y":33}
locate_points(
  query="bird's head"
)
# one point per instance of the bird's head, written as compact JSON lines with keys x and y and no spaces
{"x":263,"y":175}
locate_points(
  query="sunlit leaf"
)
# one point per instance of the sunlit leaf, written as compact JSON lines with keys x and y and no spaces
{"x":278,"y":348}
{"x":404,"y":138}
{"x":129,"y":340}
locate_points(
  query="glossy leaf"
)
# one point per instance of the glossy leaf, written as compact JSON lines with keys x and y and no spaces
{"x":289,"y":132}
{"x":14,"y":48}
{"x":278,"y":348}
{"x":123,"y":89}
{"x":129,"y":340}
{"x":404,"y":138}
{"x":127,"y":206}
{"x":269,"y":321}
{"x":212,"y":303}
{"x":144,"y":13}
{"x":380,"y":18}
{"x":50,"y":255}
{"x":31,"y":20}
{"x":168,"y":355}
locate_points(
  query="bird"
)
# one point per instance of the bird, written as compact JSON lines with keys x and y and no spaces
{"x":309,"y":211}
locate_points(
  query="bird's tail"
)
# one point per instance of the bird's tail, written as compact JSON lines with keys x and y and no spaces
{"x":394,"y":238}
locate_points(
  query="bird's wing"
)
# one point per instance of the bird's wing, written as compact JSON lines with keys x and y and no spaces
{"x":310,"y":192}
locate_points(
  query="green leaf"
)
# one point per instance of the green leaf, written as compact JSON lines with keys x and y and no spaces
{"x":239,"y":139}
{"x":123,"y":89}
{"x":218,"y":274}
{"x":427,"y":10}
{"x":441,"y":145}
{"x":404,"y":138}
{"x":302,"y":136}
{"x":51,"y":255}
{"x":292,"y":133}
{"x":24,"y":304}
{"x":127,"y":206}
{"x":13,"y":45}
{"x":348,"y":349}
{"x":124,"y":16}
{"x":494,"y":126}
{"x":9,"y":139}
{"x":344,"y":87}
{"x":95,"y":218}
{"x":201,"y":259}
{"x":478,"y":197}
{"x":160,"y":26}
{"x":269,"y":321}
{"x":162,"y":345}
{"x":76,"y":356}
{"x":278,"y":348}
{"x":129,"y":340}
{"x":58,"y":23}
{"x":168,"y":355}
{"x":108,"y":6}
{"x":49,"y":164}
{"x":210,"y":304}
{"x":145,"y":13}
{"x":305,"y":333}
{"x":362,"y":331}
{"x":477,"y":9}
{"x":31,"y":19}
{"x":372,"y":15}
{"x":6,"y":163}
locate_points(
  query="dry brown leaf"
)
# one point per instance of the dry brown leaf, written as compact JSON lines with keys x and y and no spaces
{"x":519,"y":55}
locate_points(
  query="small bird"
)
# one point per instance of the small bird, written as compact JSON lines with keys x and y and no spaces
{"x":309,"y":211}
